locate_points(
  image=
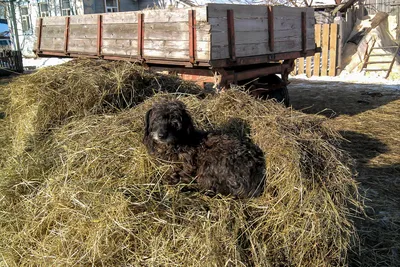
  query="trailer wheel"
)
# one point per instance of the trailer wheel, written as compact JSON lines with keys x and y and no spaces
{"x":262,"y":89}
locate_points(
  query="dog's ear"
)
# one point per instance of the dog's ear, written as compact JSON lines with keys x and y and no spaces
{"x":187,"y":123}
{"x":147,"y":122}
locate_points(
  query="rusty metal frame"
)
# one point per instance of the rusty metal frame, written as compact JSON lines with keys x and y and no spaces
{"x":99,"y":34}
{"x":271,"y":36}
{"x":192,"y":37}
{"x":140,"y":35}
{"x":231,"y":34}
{"x":304,"y":31}
{"x":39,"y":41}
{"x":66,"y":34}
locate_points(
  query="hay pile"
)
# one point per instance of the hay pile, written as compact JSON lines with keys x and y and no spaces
{"x":55,"y":95}
{"x":87,"y":193}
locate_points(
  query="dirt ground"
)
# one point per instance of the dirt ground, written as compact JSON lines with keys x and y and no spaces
{"x":368,"y":116}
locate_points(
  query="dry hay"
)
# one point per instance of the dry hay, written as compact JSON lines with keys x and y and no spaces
{"x":54,"y":95}
{"x":88,"y":194}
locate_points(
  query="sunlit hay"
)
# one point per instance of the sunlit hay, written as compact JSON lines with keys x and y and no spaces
{"x":101,"y":202}
{"x":54,"y":95}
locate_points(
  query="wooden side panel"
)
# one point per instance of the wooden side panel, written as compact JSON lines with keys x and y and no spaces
{"x":251,"y":30}
{"x":120,"y":38}
{"x":83,"y":34}
{"x":287,"y":29}
{"x":54,"y":21}
{"x":166,"y":34}
{"x":53,"y":29}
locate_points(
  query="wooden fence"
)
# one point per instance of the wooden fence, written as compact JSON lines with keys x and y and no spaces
{"x":10,"y":61}
{"x":326,"y":62}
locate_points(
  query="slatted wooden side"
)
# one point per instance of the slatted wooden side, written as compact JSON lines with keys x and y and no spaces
{"x":324,"y":63}
{"x":52,"y":36}
{"x":120,"y":34}
{"x":166,"y":34}
{"x":251,"y":30}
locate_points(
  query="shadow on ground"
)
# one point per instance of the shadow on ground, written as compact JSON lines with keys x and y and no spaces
{"x":332,"y":98}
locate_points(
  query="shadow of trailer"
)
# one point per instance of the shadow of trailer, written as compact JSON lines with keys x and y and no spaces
{"x":214,"y":45}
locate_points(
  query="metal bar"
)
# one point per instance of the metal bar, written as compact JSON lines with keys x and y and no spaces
{"x":99,"y":34}
{"x":66,"y":34}
{"x":39,"y":41}
{"x":192,"y":36}
{"x":303,"y":32}
{"x":140,"y":35}
{"x":220,"y":63}
{"x":271,"y":37}
{"x":231,"y":34}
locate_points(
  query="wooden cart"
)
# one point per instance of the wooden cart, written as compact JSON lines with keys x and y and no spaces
{"x":218,"y":44}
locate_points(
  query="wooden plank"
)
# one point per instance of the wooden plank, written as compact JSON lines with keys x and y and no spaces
{"x":308,"y":67}
{"x":333,"y":49}
{"x":83,"y":45}
{"x":317,"y":56}
{"x":53,"y":30}
{"x":83,"y":19}
{"x":83,"y":31}
{"x":221,"y":38}
{"x":301,"y":65}
{"x":120,"y":18}
{"x":120,"y":47}
{"x":177,"y":15}
{"x":242,"y":50}
{"x":52,"y":43}
{"x":170,"y":36}
{"x":325,"y":47}
{"x":177,"y":26}
{"x":120,"y":31}
{"x":60,"y":21}
{"x":242,"y":25}
{"x":241,"y":11}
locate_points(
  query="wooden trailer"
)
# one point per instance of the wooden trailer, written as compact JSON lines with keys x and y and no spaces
{"x":218,"y":44}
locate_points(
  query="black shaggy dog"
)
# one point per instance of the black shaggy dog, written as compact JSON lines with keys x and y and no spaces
{"x":216,"y":162}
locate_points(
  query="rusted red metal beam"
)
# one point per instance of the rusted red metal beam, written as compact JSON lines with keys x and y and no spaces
{"x":192,"y":36}
{"x":304,"y":32}
{"x":271,"y":37}
{"x":140,"y":35}
{"x":66,"y":34}
{"x":231,"y":34}
{"x":99,"y":34}
{"x":39,"y":41}
{"x":220,"y":63}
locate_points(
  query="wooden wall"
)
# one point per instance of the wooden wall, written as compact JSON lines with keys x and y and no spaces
{"x":326,"y":62}
{"x":166,"y":32}
{"x":251,"y":30}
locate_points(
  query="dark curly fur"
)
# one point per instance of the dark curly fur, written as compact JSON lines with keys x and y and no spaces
{"x":216,"y":162}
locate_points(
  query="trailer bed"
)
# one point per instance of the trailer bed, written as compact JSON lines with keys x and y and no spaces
{"x":216,"y":35}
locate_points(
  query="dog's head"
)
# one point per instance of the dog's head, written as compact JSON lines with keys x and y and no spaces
{"x":169,"y":123}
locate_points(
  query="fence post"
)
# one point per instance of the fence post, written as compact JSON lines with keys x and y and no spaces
{"x":339,"y":21}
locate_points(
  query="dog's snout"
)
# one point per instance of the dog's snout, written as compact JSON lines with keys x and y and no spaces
{"x":162,"y":134}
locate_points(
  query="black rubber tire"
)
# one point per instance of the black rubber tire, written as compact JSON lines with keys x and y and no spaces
{"x":281,"y":95}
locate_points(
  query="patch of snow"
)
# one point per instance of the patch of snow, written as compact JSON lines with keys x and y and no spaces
{"x":349,"y":78}
{"x":36,"y":63}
